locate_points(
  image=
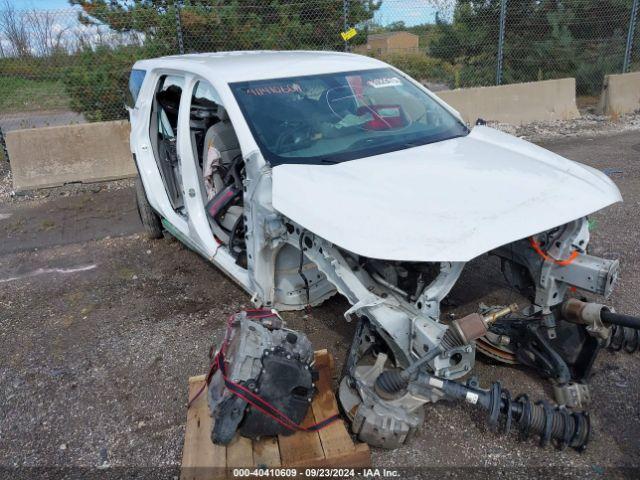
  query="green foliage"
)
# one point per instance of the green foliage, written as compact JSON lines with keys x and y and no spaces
{"x":421,"y":67}
{"x":543,"y":39}
{"x":36,"y":68}
{"x":213,"y":25}
{"x":97,"y":82}
{"x":22,"y":94}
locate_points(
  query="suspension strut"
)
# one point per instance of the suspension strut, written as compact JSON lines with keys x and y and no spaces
{"x":552,"y":423}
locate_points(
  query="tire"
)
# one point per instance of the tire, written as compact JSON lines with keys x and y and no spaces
{"x":149,"y":218}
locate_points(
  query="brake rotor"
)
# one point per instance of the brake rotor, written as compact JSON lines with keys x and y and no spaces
{"x":494,"y":347}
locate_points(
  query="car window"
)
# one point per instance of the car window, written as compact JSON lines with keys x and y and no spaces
{"x":204,"y":91}
{"x":135,"y":84}
{"x":341,"y":116}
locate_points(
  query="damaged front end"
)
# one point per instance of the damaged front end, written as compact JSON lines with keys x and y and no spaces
{"x":404,"y":353}
{"x":402,"y":345}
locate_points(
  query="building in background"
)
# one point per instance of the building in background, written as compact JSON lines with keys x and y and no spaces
{"x":389,"y":42}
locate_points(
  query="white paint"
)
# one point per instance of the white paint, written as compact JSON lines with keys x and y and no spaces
{"x":447,"y":201}
{"x":436,"y":382}
{"x":260,"y":65}
{"x":4,"y":216}
{"x":471,"y":397}
{"x":45,"y":271}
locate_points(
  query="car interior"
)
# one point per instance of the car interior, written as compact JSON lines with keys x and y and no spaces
{"x":217,"y":154}
{"x":221,"y":168}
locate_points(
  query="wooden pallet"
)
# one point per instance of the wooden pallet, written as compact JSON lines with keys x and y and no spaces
{"x":330,"y":447}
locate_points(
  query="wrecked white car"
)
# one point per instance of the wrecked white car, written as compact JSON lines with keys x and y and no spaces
{"x":306,"y":174}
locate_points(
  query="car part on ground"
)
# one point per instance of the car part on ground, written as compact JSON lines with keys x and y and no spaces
{"x":259,"y":357}
{"x":385,"y":407}
{"x":580,"y":331}
{"x":552,"y":423}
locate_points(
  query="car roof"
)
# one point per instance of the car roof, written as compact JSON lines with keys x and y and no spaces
{"x":258,"y":65}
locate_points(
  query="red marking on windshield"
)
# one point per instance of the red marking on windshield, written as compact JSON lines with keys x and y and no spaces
{"x":285,"y":89}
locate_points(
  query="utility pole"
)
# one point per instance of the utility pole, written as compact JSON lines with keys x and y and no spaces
{"x":632,"y":27}
{"x":176,"y":5}
{"x":503,"y":15}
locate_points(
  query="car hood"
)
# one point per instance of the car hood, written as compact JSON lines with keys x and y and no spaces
{"x":447,"y":201}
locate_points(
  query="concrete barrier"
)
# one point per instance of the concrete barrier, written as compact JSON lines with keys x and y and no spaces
{"x":620,"y":94}
{"x":52,"y":156}
{"x":516,"y":103}
{"x":92,"y":152}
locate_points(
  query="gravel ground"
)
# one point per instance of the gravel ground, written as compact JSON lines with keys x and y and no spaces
{"x":589,"y":124}
{"x":99,"y":337}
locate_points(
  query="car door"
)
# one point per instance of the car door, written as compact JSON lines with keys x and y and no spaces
{"x":163,"y":133}
{"x":162,"y":185}
{"x":198,"y":114}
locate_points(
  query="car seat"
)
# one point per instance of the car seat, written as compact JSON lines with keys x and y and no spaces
{"x":222,"y":136}
{"x":225,"y":216}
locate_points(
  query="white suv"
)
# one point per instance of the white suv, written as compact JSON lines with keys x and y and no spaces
{"x":303,"y":174}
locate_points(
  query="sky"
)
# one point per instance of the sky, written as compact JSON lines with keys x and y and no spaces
{"x":41,"y":4}
{"x":412,"y":12}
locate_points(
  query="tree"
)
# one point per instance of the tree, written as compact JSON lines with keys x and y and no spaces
{"x":14,"y":28}
{"x":543,"y":39}
{"x":212,"y":25}
{"x":98,"y":80}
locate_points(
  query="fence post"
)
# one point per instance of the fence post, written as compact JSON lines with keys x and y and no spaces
{"x":632,"y":26}
{"x":503,"y":14}
{"x":345,"y":23}
{"x":176,"y":5}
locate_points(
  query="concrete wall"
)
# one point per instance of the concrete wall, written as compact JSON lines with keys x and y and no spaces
{"x":620,"y":93}
{"x":52,"y":156}
{"x":517,"y":103}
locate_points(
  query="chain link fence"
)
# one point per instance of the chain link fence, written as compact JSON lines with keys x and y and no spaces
{"x":72,"y":65}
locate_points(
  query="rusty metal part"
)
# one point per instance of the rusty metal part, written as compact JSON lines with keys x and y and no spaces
{"x":469,"y":328}
{"x":492,"y":317}
{"x":588,"y":314}
{"x":577,"y":311}
{"x":489,"y":349}
{"x":472,"y":327}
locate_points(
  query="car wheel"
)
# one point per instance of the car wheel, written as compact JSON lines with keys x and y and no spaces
{"x":149,"y":218}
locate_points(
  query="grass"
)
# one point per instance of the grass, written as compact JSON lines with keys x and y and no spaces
{"x":19,"y":94}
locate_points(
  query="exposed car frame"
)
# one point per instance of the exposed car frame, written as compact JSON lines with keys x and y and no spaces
{"x":291,"y":265}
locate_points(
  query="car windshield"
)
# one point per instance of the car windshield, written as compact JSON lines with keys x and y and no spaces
{"x":332,"y":118}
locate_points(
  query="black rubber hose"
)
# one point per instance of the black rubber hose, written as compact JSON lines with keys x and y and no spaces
{"x":620,"y":319}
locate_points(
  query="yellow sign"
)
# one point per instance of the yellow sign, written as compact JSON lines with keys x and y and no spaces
{"x":348,"y":34}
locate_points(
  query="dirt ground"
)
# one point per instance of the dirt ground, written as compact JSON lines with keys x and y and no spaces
{"x":100,"y":329}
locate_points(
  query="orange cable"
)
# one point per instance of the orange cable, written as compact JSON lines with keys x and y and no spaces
{"x":562,"y":263}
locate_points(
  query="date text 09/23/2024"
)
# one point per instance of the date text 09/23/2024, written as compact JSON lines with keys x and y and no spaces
{"x":315,"y":472}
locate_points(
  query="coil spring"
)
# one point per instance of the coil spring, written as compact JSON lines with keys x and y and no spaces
{"x":551,"y":422}
{"x":624,"y":338}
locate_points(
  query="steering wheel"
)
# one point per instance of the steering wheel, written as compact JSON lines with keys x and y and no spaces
{"x":296,"y":134}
